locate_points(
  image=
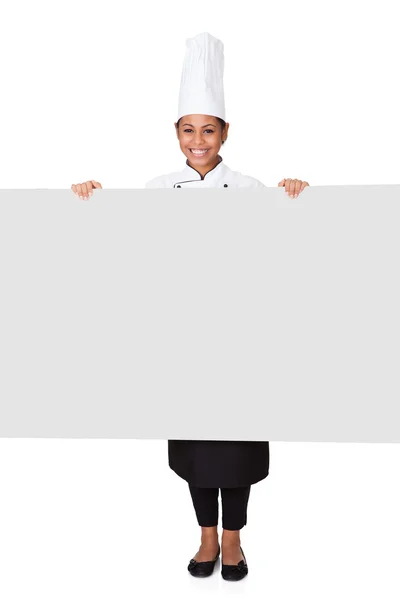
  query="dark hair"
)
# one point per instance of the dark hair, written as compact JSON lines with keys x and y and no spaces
{"x":220,"y":121}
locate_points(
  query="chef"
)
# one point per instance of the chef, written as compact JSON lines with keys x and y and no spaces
{"x":211,"y":467}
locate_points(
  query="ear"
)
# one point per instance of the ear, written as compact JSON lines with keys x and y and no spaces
{"x":176,"y":130}
{"x":225,"y":135}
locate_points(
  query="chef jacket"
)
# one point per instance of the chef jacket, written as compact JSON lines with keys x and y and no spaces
{"x":203,"y":463}
{"x":220,"y":176}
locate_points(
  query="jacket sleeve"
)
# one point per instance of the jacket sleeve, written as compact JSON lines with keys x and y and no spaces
{"x":162,"y":181}
{"x":153,"y":184}
{"x":259,"y":184}
{"x":252,"y":182}
{"x":240,"y":180}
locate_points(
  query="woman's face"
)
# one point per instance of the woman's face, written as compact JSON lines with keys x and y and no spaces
{"x":203,"y":134}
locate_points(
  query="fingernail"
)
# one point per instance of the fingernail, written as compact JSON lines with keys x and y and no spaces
{"x":81,"y":197}
{"x":291,"y":195}
{"x":295,"y":195}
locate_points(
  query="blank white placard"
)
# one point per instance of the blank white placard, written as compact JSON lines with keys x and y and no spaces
{"x":201,"y":314}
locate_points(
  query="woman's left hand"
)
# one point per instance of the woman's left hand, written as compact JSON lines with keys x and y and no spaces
{"x":293,"y":186}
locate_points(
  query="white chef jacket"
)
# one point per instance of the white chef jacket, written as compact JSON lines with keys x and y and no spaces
{"x":219,"y":176}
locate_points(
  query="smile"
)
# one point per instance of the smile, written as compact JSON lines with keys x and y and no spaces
{"x":199,"y":152}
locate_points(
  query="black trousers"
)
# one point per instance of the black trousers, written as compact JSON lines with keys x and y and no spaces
{"x":234,"y":506}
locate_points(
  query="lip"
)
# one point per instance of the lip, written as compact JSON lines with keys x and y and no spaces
{"x":199,"y":155}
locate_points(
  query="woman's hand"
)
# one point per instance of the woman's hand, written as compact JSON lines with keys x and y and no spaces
{"x":84,"y":190}
{"x":293,"y":186}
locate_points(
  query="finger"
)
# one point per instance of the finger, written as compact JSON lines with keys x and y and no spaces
{"x":92,"y":185}
{"x":292,"y":187}
{"x":281,"y":183}
{"x":79,"y":190}
{"x":73,"y":188}
{"x":297,"y":187}
{"x":287,"y":185}
{"x":89,"y":188}
{"x":84,"y":191}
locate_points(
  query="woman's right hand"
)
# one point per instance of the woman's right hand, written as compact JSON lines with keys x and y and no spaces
{"x":84,"y":190}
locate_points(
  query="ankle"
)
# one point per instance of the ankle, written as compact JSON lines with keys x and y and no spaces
{"x":209,"y":539}
{"x":231,"y":544}
{"x":231,"y":538}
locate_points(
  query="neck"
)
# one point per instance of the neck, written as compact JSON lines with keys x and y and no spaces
{"x":204,"y":170}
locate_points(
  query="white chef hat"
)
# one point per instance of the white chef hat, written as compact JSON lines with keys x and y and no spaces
{"x":202,"y":87}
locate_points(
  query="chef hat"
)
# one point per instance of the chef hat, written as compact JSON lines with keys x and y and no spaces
{"x":202,"y":88}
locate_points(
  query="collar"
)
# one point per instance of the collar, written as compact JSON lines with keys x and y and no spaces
{"x":195,"y":175}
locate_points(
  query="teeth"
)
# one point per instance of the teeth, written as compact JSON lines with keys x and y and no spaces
{"x":199,"y":151}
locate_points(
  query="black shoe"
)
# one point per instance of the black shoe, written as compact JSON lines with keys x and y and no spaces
{"x":203,"y":569}
{"x":235,"y":572}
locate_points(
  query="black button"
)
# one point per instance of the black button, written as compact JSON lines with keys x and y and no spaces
{"x":178,"y":186}
{"x":225,"y":185}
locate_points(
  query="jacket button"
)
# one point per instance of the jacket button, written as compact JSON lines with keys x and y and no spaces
{"x":225,"y":185}
{"x":178,"y":186}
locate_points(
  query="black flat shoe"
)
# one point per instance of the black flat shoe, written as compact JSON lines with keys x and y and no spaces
{"x":203,"y":569}
{"x":235,"y":572}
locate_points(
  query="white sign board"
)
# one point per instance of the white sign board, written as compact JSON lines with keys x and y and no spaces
{"x":201,"y":314}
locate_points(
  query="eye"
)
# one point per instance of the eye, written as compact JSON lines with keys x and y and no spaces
{"x":189,"y":130}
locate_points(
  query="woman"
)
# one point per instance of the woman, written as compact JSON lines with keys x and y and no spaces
{"x":210,"y":466}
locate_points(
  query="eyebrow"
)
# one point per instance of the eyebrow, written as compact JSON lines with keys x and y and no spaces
{"x":208,"y":124}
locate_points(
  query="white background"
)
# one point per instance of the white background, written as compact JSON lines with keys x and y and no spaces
{"x":89,"y":91}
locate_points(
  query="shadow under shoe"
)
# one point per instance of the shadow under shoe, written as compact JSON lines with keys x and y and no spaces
{"x":204,"y":568}
{"x":235,"y":572}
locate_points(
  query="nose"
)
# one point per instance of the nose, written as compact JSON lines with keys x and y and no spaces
{"x":198,"y":138}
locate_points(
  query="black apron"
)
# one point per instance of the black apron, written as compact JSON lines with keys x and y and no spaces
{"x":219,"y":464}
